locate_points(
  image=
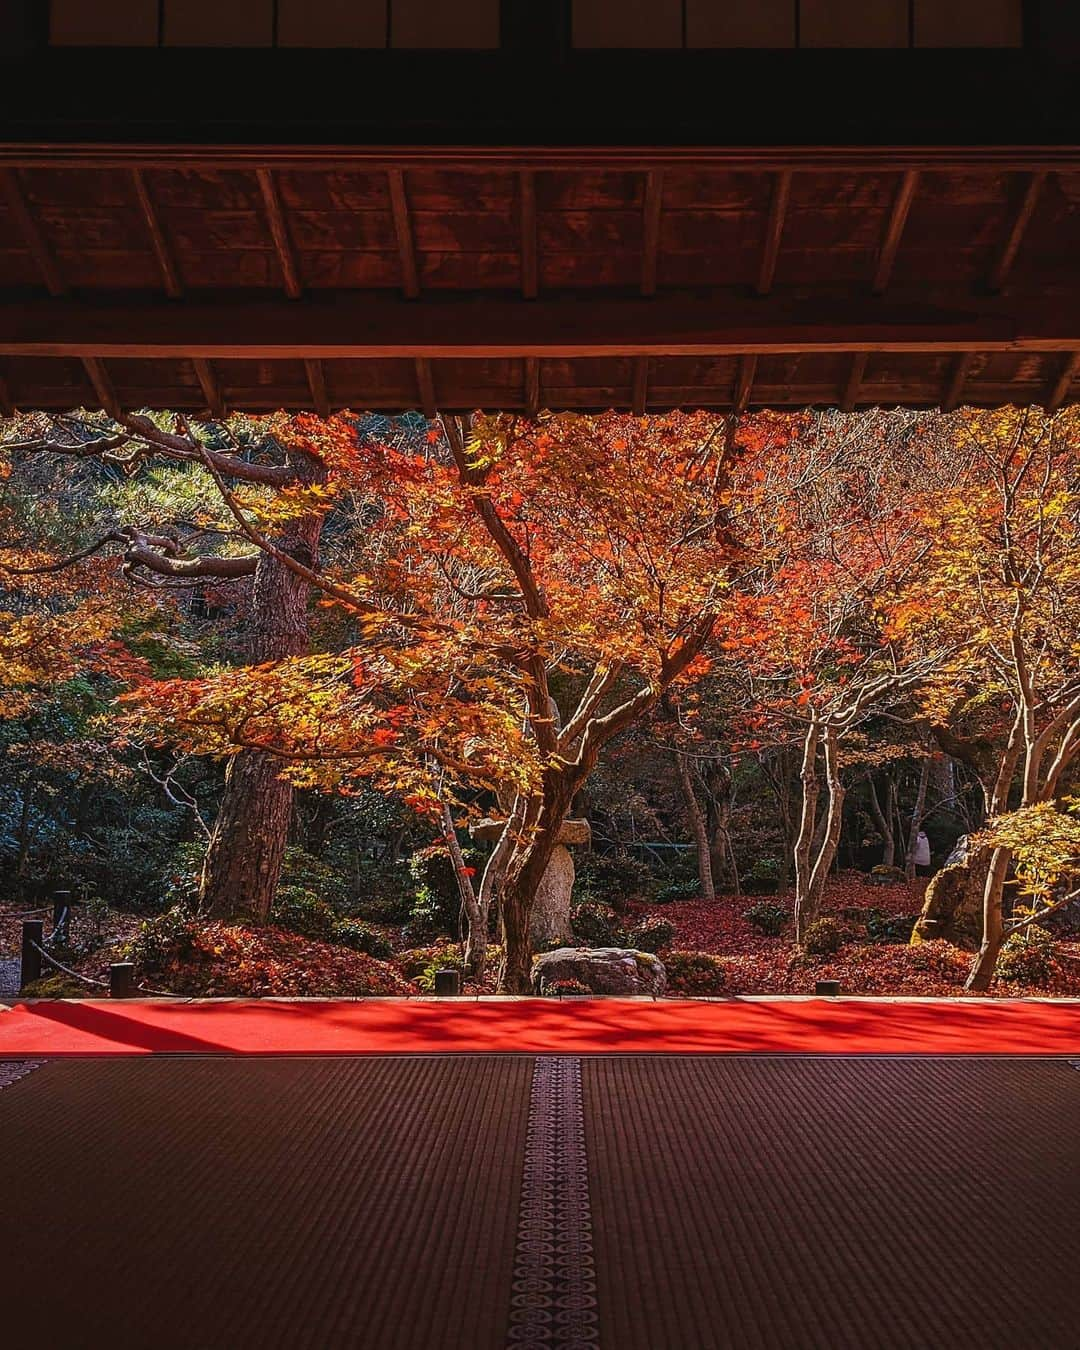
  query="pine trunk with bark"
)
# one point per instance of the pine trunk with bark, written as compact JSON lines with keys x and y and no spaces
{"x":247,"y":845}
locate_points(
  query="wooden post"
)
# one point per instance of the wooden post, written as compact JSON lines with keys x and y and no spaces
{"x":33,"y":936}
{"x":447,"y":983}
{"x":121,"y":979}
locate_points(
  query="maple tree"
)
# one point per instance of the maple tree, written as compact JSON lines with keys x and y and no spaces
{"x":283,"y":458}
{"x":498,"y":554}
{"x":1002,"y":579}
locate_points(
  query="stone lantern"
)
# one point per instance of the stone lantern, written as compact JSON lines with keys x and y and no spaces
{"x":551,"y":910}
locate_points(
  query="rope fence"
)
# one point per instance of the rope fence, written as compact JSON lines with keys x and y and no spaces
{"x":120,"y":983}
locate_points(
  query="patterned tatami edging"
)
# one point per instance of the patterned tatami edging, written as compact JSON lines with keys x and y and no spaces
{"x":554,"y":1289}
{"x":11,"y":1070}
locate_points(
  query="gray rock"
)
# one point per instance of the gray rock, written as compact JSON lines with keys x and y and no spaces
{"x":603,"y":970}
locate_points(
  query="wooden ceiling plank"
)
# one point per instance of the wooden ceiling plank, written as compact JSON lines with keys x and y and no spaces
{"x":33,"y":238}
{"x":639,"y":397}
{"x":170,"y":275}
{"x":399,"y":205}
{"x":376,"y":324}
{"x":894,"y":229}
{"x":425,"y":382}
{"x":532,"y":386}
{"x":1060,"y":391}
{"x":316,"y":378}
{"x":279,"y":231}
{"x":211,"y":387}
{"x":744,"y":382}
{"x":774,"y":230}
{"x":954,"y":390}
{"x":854,"y":381}
{"x":650,"y":258}
{"x":530,"y":269}
{"x":102,"y":385}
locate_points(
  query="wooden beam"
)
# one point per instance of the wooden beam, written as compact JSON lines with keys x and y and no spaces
{"x":640,"y":394}
{"x":628,"y":158}
{"x":1011,"y":247}
{"x":530,"y":281}
{"x":103,"y":387}
{"x":532,"y":386}
{"x":279,"y":230}
{"x":399,"y":205}
{"x":744,"y":383}
{"x":854,"y":381}
{"x":7,"y":403}
{"x":32,"y":236}
{"x":954,"y":390}
{"x":170,"y":276}
{"x":425,"y":382}
{"x":650,"y":253}
{"x":208,"y":382}
{"x":316,"y":378}
{"x":376,"y":324}
{"x":774,"y":230}
{"x":1060,"y":391}
{"x":894,"y":229}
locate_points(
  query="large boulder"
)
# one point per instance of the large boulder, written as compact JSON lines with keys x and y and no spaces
{"x":602,"y":970}
{"x":952,"y":908}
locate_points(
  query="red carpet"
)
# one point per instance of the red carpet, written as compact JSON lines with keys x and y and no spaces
{"x":539,"y":1026}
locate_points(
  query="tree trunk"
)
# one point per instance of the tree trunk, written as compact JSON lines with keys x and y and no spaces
{"x":807,"y":821}
{"x":884,"y":818}
{"x":916,"y":820}
{"x":247,"y":846}
{"x":982,"y":971}
{"x":696,"y":820}
{"x":528,"y":861}
{"x":475,"y":915}
{"x":831,"y":836}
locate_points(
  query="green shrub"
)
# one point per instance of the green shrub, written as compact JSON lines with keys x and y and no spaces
{"x":360,"y":938}
{"x":824,"y":937}
{"x":391,"y":907}
{"x":303,"y":871}
{"x":302,"y":911}
{"x":613,"y":878}
{"x":167,"y":937}
{"x":594,"y":924}
{"x":695,"y":974}
{"x":450,"y":959}
{"x":766,"y":918}
{"x":677,"y":890}
{"x":651,"y":934}
{"x":895,"y":928}
{"x":1028,"y":957}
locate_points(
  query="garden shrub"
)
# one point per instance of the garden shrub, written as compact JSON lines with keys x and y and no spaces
{"x":890,"y":927}
{"x":764,"y":876}
{"x":651,"y":934}
{"x":824,"y":937}
{"x":557,"y":988}
{"x":695,"y":974}
{"x":162,"y":940}
{"x":613,"y":878}
{"x":303,"y":871}
{"x":436,"y":904}
{"x":360,"y":938}
{"x":450,"y":959}
{"x":298,"y":910}
{"x":766,"y":918}
{"x":1028,"y":957}
{"x":594,"y":924}
{"x":677,"y":890}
